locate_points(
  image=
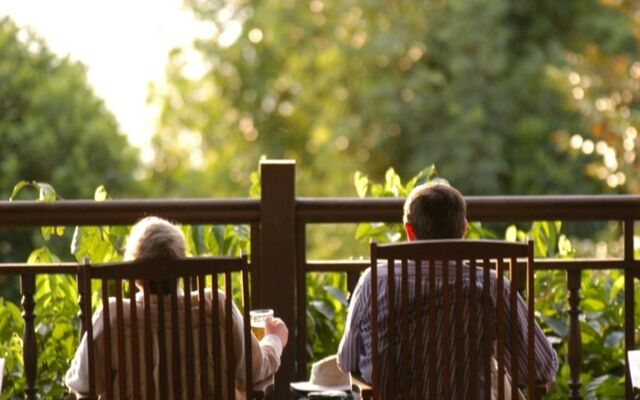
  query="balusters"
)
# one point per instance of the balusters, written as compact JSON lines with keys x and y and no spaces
{"x":575,"y":343}
{"x":29,"y":350}
{"x":81,"y":299}
{"x":629,"y":300}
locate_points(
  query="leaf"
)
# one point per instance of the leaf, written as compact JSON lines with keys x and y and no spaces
{"x":47,"y":192}
{"x":551,"y":233}
{"x":540,"y":245}
{"x":373,"y":230}
{"x":338,"y":294}
{"x":565,"y":249}
{"x":424,"y":176}
{"x":614,"y":338}
{"x":42,"y":255}
{"x":393,"y":236}
{"x":323,"y":308}
{"x":363,"y":231}
{"x":392,"y":182}
{"x":361,"y":183}
{"x":255,"y":188}
{"x":511,"y":233}
{"x":18,"y":187}
{"x":595,"y":382}
{"x":89,"y":242}
{"x":214,"y":239}
{"x":557,"y":325}
{"x":59,"y":331}
{"x":475,"y":230}
{"x":411,"y":183}
{"x":593,"y":304}
{"x":75,"y":240}
{"x":611,"y":388}
{"x":100,"y":194}
{"x":618,"y":284}
{"x":47,"y":231}
{"x":377,"y":190}
{"x":190,"y":240}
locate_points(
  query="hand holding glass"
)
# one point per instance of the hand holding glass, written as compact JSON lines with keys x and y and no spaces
{"x":258,"y":318}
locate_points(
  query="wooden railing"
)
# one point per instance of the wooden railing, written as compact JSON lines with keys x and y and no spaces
{"x":279,"y":264}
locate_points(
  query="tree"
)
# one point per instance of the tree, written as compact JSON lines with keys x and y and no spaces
{"x":468,"y":85}
{"x":601,"y":82}
{"x":53,"y":128}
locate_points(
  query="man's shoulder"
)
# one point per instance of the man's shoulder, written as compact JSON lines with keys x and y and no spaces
{"x":381,"y":273}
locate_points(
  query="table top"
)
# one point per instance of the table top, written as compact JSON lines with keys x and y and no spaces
{"x":1,"y":372}
{"x":634,"y":367}
{"x":303,"y":396}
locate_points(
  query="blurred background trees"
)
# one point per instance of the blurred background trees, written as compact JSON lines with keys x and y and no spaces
{"x":504,"y":97}
{"x":509,"y":97}
{"x":483,"y":89}
{"x":53,"y":128}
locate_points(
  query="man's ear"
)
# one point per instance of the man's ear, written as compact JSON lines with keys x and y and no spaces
{"x":409,"y":229}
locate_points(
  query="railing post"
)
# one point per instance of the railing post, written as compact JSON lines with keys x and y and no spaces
{"x":278,"y":258}
{"x":629,"y":302}
{"x":29,"y":349}
{"x":575,"y":342}
{"x":301,"y":300}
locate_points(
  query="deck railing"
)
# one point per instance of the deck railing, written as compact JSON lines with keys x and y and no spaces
{"x":279,"y":264}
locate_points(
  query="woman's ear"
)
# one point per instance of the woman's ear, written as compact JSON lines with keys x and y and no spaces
{"x":410,"y":233}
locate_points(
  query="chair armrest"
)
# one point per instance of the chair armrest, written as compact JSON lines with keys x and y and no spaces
{"x":262,"y":389}
{"x":359,"y":385}
{"x":545,"y":388}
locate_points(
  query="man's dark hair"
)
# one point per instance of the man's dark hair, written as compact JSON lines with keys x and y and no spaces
{"x":436,"y":211}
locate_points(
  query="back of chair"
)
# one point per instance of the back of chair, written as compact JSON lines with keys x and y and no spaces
{"x":167,"y":339}
{"x":440,"y":311}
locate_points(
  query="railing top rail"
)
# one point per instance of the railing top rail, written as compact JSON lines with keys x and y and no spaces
{"x":556,"y":264}
{"x":126,"y":212}
{"x":479,"y":208}
{"x":64,"y":268}
{"x":313,"y":210}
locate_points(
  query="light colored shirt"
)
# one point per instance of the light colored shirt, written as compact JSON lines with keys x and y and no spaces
{"x":355,"y":354}
{"x":265,"y":354}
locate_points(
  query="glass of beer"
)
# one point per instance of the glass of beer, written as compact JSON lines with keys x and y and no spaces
{"x":258,"y":318}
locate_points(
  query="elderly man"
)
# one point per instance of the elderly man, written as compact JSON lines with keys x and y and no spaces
{"x":153,"y":237}
{"x":432,"y":211}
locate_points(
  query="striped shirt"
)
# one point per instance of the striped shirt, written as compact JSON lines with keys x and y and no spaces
{"x":265,"y":354}
{"x":354,"y":352}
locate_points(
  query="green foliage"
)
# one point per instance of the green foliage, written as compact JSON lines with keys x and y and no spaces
{"x":391,"y":187}
{"x":56,"y":308}
{"x":53,"y":128}
{"x":469,"y":85}
{"x":326,"y":313}
{"x":57,"y":325}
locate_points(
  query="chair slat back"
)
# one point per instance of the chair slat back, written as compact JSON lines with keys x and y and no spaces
{"x":156,"y":343}
{"x":445,"y":323}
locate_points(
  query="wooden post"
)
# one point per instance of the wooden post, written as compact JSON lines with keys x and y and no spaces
{"x":277,"y":275}
{"x":575,"y":341}
{"x":29,"y":349}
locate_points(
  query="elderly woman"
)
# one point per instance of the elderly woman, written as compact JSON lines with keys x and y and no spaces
{"x":154,"y":237}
